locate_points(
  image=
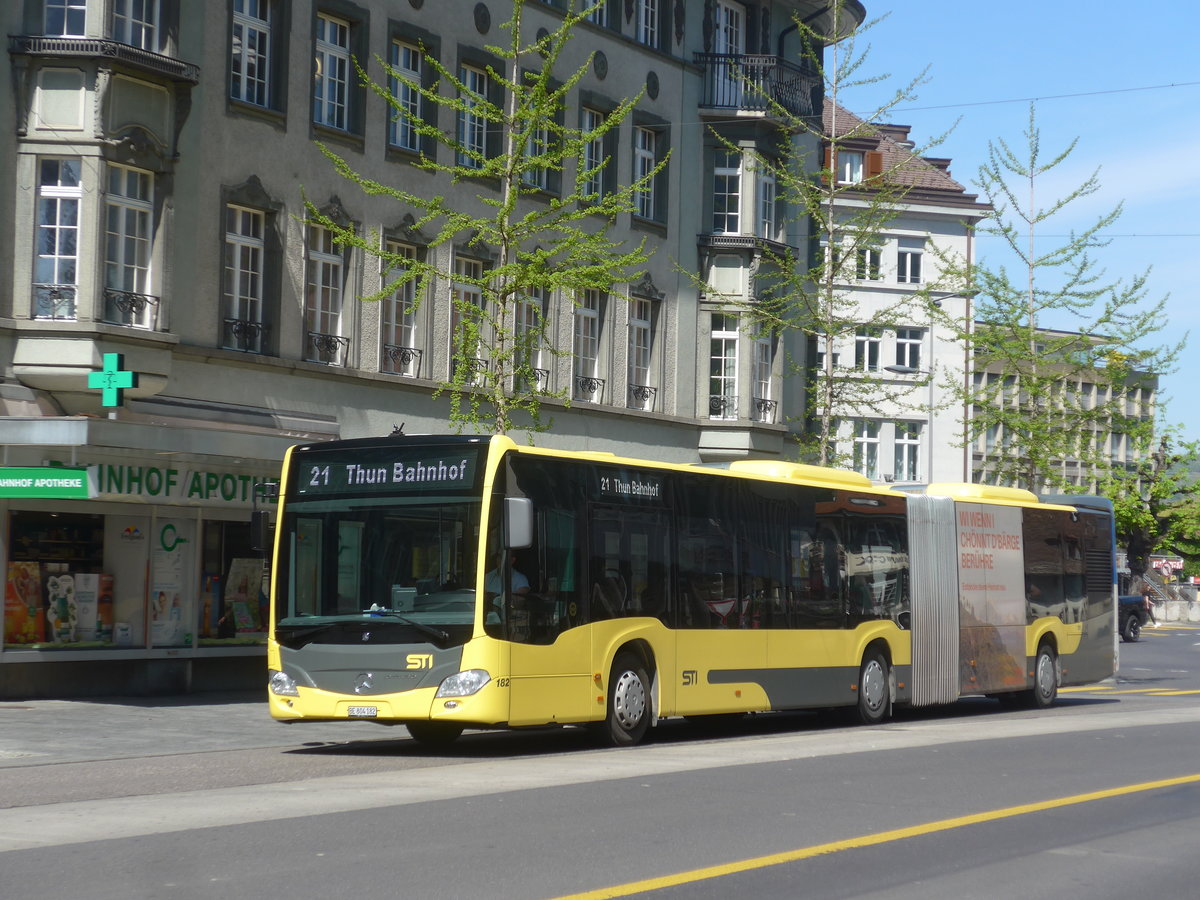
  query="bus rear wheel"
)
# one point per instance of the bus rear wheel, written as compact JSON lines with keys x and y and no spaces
{"x":628,"y":716}
{"x":1045,"y":679}
{"x":874,"y":689}
{"x":434,"y":734}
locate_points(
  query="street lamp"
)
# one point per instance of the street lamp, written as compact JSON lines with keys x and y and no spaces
{"x":928,"y":373}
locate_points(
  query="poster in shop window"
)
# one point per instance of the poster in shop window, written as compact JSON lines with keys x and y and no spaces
{"x":170,"y":611}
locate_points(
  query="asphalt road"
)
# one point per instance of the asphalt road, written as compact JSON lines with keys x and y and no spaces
{"x":207,"y":797}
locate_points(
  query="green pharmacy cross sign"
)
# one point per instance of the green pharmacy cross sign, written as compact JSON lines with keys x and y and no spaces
{"x":112,"y":380}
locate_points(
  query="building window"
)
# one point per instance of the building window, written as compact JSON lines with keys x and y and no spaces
{"x":648,"y":25}
{"x":56,"y":238}
{"x":323,"y":298}
{"x":723,"y":367}
{"x":727,"y":192}
{"x":472,"y":126}
{"x":641,"y":347}
{"x":867,"y":344}
{"x":405,"y":59}
{"x":129,"y":210}
{"x":645,"y":158}
{"x":242,"y":296}
{"x":908,"y":347}
{"x":250,"y":79}
{"x":768,"y":224}
{"x":588,"y":311}
{"x":764,"y":404}
{"x":867,"y":264}
{"x":591,"y":166}
{"x":466,"y":321}
{"x":850,"y":166}
{"x":539,"y":143}
{"x":401,"y":356}
{"x":908,"y":261}
{"x":598,"y":14}
{"x":332,"y":78}
{"x":65,"y":18}
{"x":907,"y":451}
{"x":530,"y":333}
{"x":135,"y":22}
{"x":866,"y":448}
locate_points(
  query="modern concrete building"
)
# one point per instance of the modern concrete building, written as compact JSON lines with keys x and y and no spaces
{"x":155,"y":158}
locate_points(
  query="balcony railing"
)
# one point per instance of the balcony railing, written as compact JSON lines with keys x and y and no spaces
{"x":764,"y":410}
{"x":244,"y":335}
{"x":641,"y":396}
{"x":722,"y":407}
{"x":77,"y":47}
{"x":589,"y":388}
{"x":467,"y":371}
{"x":54,"y":301}
{"x":330,"y":349}
{"x":537,"y":381}
{"x":399,"y":360}
{"x":757,"y":83}
{"x":131,"y":308}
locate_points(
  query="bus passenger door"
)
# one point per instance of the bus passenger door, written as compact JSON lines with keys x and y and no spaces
{"x":629,"y":588}
{"x":551,"y":651}
{"x":721,"y":644}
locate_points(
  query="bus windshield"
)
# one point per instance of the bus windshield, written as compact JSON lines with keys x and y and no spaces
{"x":406,"y":564}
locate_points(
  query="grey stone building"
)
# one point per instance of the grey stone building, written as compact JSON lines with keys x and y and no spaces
{"x":156,"y":156}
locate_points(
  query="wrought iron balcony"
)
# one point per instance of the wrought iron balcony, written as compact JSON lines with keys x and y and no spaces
{"x":100,"y":48}
{"x":54,"y":301}
{"x":764,"y":410}
{"x":758,"y":83}
{"x":399,"y":360}
{"x":330,"y":349}
{"x":722,"y":407}
{"x":245,"y":335}
{"x":641,"y":396}
{"x":535,"y":381}
{"x":589,"y":388}
{"x":467,"y":371}
{"x":131,"y":308}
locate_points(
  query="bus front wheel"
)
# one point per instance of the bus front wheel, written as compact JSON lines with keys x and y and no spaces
{"x":874,"y":689}
{"x":628,"y":701}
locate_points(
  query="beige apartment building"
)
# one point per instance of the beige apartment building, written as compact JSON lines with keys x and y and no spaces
{"x":156,"y":157}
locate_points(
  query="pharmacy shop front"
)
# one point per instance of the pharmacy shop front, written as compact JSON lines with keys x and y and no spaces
{"x":130,"y":572}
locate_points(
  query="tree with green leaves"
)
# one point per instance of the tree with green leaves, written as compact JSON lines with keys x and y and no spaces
{"x":1156,"y":502}
{"x":508,"y":142}
{"x":841,"y":191}
{"x":1064,"y":356}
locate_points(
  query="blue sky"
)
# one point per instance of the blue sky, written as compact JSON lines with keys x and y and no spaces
{"x":1124,"y":80}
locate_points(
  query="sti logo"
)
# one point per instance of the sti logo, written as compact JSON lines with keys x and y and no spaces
{"x":690,"y":677}
{"x":420,"y":661}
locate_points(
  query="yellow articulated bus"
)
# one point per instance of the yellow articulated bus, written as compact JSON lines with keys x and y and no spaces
{"x":457,"y":582}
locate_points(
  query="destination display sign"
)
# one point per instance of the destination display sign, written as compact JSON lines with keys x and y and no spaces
{"x":386,"y":471}
{"x":623,"y":484}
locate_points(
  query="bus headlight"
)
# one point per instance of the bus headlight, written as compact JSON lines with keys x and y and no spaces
{"x":282,"y":685}
{"x":464,"y":684}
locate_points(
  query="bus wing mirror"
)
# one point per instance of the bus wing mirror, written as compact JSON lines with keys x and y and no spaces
{"x":260,"y":530}
{"x":518,"y":522}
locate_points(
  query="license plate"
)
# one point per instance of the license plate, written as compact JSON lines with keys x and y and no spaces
{"x":367,"y":712}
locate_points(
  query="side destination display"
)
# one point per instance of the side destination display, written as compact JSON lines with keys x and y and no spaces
{"x":387,"y":471}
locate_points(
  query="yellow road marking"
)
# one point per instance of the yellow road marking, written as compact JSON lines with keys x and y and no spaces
{"x":869,"y":840}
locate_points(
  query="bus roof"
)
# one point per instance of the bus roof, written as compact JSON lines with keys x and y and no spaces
{"x":987,"y":493}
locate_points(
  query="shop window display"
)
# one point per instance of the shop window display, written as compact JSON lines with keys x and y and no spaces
{"x":56,"y":592}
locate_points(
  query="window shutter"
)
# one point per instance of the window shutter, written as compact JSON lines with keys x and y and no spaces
{"x":827,"y":166}
{"x":874,"y":164}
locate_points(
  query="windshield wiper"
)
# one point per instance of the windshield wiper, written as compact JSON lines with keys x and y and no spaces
{"x":429,"y":630}
{"x":297,"y":639}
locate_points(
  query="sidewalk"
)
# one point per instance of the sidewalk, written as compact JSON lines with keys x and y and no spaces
{"x":38,"y":732}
